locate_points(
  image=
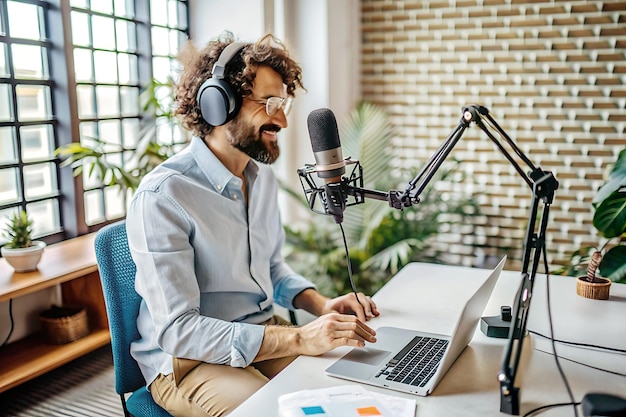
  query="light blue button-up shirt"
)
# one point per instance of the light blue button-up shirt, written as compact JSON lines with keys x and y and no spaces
{"x":209,"y":267}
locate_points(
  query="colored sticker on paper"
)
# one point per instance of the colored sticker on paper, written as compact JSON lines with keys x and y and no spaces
{"x":309,"y":411}
{"x":368,"y":411}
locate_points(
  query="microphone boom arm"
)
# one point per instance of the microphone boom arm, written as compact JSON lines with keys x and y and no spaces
{"x":542,"y":183}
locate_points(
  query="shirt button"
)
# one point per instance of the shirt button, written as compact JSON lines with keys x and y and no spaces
{"x":234,"y":196}
{"x":219,"y":187}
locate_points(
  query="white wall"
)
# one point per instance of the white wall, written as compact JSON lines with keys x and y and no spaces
{"x":242,"y":17}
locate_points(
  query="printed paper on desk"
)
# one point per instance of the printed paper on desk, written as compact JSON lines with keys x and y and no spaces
{"x":344,"y":401}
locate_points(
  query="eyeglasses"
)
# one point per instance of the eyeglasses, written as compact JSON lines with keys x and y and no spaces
{"x":273,"y":104}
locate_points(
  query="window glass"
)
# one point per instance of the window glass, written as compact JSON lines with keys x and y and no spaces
{"x":126,"y":68}
{"x":105,"y":64}
{"x":86,"y":102}
{"x":39,"y":180}
{"x":47,"y":214}
{"x":27,"y":61}
{"x":9,"y":189}
{"x":83,"y":68}
{"x":33,"y":102}
{"x":107,"y":101}
{"x":36,"y":142}
{"x":24,"y":20}
{"x":109,"y":132}
{"x":130,"y":100}
{"x":6,"y":110}
{"x":124,"y":8}
{"x":130,"y":130}
{"x":125,"y":35}
{"x":8,"y":152}
{"x":114,"y":202}
{"x":94,"y":212}
{"x":102,"y":6}
{"x":158,"y":12}
{"x":79,"y":3}
{"x":160,"y":41}
{"x":81,"y":34}
{"x":103,"y":32}
{"x":161,"y":69}
{"x":4,"y":68}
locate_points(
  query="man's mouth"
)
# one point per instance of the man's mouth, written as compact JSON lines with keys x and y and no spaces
{"x":270,"y":134}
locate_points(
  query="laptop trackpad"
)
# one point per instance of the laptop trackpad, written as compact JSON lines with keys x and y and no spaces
{"x":368,"y":356}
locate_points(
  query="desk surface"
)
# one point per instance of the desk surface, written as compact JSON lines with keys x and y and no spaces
{"x":430,"y":297}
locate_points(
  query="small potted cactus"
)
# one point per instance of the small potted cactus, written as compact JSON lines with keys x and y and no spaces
{"x":21,"y":252}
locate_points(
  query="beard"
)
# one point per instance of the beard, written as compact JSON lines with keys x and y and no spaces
{"x":244,"y":137}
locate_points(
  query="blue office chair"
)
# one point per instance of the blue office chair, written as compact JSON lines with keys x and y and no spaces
{"x":117,"y":273}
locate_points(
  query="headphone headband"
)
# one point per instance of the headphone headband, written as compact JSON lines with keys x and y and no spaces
{"x":227,"y":54}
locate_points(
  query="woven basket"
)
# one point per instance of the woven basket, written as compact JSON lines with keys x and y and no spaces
{"x":593,"y":290}
{"x":64,"y":324}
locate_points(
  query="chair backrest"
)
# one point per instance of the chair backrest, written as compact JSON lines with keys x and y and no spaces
{"x":117,"y":273}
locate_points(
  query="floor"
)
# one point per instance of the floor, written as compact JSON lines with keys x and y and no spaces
{"x":85,"y":387}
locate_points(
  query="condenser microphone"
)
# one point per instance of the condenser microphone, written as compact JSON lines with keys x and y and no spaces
{"x":329,"y":162}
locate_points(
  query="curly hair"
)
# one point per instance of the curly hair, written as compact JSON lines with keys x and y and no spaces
{"x":239,"y":73}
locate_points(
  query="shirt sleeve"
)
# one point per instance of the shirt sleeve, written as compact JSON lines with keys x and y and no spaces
{"x":287,"y":283}
{"x":158,"y":234}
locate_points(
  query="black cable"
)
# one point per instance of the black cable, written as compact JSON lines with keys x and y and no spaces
{"x":549,"y":406}
{"x":12,"y":324}
{"x":345,"y":245}
{"x":586,"y":364}
{"x":578,"y":344}
{"x":556,"y":357}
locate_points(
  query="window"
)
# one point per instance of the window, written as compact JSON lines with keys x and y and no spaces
{"x":74,"y":70}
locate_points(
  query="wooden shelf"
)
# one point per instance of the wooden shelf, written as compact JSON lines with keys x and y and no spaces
{"x":72,"y":265}
{"x":59,"y":263}
{"x":32,"y":356}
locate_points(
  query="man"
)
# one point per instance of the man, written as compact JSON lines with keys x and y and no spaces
{"x":205,"y":233}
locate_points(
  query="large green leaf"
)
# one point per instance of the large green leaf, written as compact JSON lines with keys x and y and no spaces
{"x":613,"y":265}
{"x":610,"y":215}
{"x":617,"y":179}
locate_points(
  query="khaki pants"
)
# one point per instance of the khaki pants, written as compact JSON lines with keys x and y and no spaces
{"x":202,"y":389}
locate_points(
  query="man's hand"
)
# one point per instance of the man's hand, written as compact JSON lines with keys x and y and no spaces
{"x":341,"y":323}
{"x":364,"y":307}
{"x":317,"y":304}
{"x":333,"y":330}
{"x":319,"y":336}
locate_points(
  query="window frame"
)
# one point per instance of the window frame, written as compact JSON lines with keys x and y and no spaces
{"x":65,"y":120}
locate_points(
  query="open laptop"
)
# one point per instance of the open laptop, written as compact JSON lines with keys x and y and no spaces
{"x":412,"y":361}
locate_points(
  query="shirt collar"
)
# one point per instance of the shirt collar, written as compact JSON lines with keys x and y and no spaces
{"x":218,"y":175}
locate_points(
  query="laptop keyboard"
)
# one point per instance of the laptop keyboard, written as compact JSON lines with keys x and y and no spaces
{"x":417,"y":362}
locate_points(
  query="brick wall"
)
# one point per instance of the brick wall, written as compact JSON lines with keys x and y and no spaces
{"x":553,"y":75}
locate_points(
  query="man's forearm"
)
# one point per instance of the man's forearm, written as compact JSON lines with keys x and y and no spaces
{"x":278,"y":342}
{"x":311,"y":301}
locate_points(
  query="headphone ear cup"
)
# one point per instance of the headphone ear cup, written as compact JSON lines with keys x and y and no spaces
{"x":217,"y":101}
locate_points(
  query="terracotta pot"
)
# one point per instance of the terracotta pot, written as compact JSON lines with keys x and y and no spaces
{"x":594,"y":290}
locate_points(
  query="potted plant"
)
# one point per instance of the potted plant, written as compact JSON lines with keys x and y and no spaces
{"x":21,"y":252}
{"x":606,"y":263}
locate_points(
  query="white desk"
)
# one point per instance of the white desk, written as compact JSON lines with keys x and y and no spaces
{"x":430,"y":297}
